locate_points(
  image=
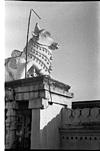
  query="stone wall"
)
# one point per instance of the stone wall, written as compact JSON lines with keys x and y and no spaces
{"x":81,"y":128}
{"x":41,"y":100}
{"x":17,"y":122}
{"x":10,"y":119}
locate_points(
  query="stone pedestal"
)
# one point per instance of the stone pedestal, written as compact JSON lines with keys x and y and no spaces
{"x":46,"y":97}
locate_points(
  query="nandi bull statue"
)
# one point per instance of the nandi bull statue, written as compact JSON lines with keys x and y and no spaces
{"x":39,"y":57}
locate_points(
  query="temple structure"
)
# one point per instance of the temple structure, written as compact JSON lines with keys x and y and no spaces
{"x":39,"y":114}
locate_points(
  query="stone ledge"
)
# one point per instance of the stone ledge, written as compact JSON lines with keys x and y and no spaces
{"x":85,"y":104}
{"x":79,"y":131}
{"x":40,"y":79}
{"x":38,"y":87}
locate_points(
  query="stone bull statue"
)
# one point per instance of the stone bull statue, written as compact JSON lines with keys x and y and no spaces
{"x":39,"y":57}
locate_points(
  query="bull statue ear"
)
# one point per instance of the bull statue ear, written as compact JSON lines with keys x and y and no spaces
{"x":36,"y":30}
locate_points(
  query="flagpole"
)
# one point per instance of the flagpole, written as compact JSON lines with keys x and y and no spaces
{"x":31,"y":10}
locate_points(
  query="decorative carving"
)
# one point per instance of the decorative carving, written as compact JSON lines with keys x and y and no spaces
{"x":85,"y":116}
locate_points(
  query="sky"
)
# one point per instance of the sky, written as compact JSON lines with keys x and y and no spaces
{"x":75,"y":26}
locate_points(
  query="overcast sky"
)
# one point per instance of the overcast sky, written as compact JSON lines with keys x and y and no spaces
{"x":75,"y":26}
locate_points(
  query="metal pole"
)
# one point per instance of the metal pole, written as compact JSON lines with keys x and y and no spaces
{"x":27,"y":44}
{"x":36,"y":14}
{"x":27,"y":38}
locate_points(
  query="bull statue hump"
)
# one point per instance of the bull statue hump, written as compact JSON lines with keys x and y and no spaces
{"x":39,"y":57}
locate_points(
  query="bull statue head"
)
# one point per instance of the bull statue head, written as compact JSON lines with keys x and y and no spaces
{"x":39,"y":57}
{"x":44,"y":38}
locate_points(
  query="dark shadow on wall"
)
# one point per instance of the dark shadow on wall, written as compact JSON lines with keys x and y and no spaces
{"x":49,"y":135}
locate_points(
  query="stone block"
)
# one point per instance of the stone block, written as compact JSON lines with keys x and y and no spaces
{"x":15,"y":105}
{"x":84,"y":115}
{"x":94,"y":114}
{"x":9,"y":95}
{"x":76,"y":115}
{"x":44,"y":103}
{"x":98,"y":118}
{"x":22,"y":96}
{"x":11,"y":105}
{"x":35,"y":103}
{"x":36,"y":94}
{"x":31,"y":88}
{"x":68,"y":117}
{"x":59,"y":99}
{"x":19,"y":96}
{"x":47,"y":94}
{"x":25,"y":96}
{"x":22,"y":89}
{"x":42,"y":94}
{"x":31,"y":95}
{"x":8,"y":120}
{"x":11,"y":112}
{"x":8,"y":125}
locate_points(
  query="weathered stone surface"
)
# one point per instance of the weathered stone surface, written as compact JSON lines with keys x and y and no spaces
{"x":94,"y":114}
{"x":43,"y":96}
{"x":67,"y":116}
{"x":35,"y":104}
{"x":37,"y":84}
{"x":85,"y":104}
{"x":76,"y":115}
{"x":84,"y":130}
{"x":76,"y":139}
{"x":81,"y":116}
{"x":11,"y":112}
{"x":11,"y":105}
{"x":84,"y":117}
{"x":10,"y":139}
{"x":9,"y":94}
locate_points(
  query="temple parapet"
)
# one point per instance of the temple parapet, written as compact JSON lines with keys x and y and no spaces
{"x":81,"y":117}
{"x":80,"y":127}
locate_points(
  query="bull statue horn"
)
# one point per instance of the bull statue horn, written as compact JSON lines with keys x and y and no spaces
{"x":37,"y":30}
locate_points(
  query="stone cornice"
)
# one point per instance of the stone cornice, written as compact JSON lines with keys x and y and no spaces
{"x":79,"y":130}
{"x":40,"y":88}
{"x":39,"y":79}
